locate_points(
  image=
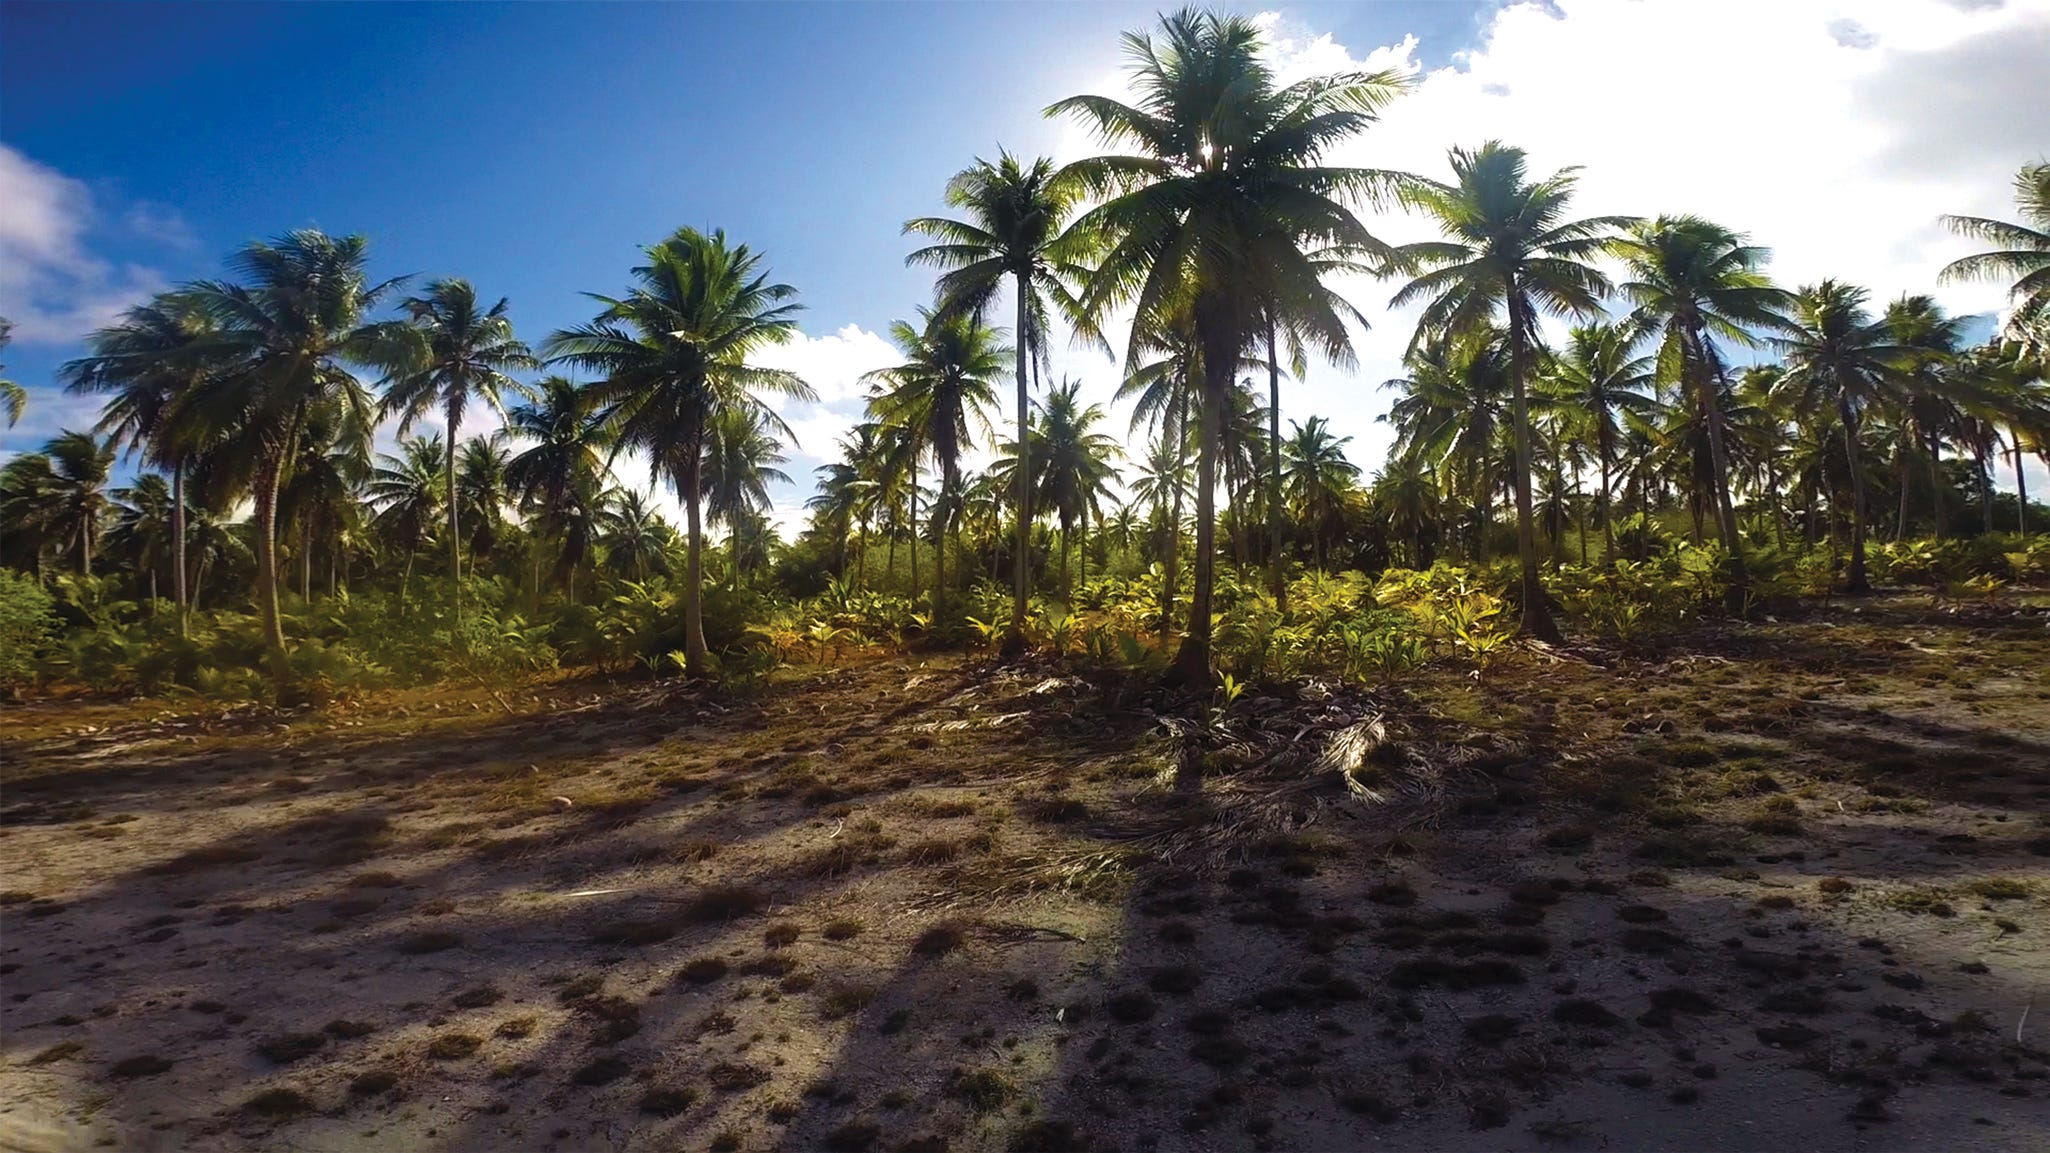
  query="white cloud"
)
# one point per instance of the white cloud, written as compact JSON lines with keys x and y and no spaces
{"x":51,"y":285}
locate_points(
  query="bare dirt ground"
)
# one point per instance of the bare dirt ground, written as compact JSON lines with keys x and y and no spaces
{"x":1773,"y":886}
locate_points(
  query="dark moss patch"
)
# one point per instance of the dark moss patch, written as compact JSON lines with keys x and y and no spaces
{"x":702,"y":970}
{"x":1131,"y":1006}
{"x":290,"y":1047}
{"x":1584,"y":1012}
{"x":431,"y":941}
{"x":371,"y":1082}
{"x":940,"y":940}
{"x":668,"y":1100}
{"x":278,"y":1104}
{"x":601,"y":1071}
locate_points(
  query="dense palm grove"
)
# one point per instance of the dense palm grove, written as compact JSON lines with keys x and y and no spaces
{"x":1622,"y":421}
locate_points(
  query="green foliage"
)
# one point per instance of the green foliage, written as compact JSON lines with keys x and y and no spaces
{"x":27,"y":619}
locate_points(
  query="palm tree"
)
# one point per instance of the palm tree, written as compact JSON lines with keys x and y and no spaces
{"x":1320,"y":478}
{"x":674,"y":353}
{"x":13,"y":397}
{"x":318,"y":496}
{"x":741,"y":455}
{"x":2023,"y":252}
{"x":1450,"y":418}
{"x":1839,"y":358}
{"x":1925,"y":399}
{"x":1599,"y":376}
{"x":81,"y":465}
{"x":1409,"y":500}
{"x":1074,"y":469}
{"x":840,"y":500}
{"x":407,"y":493}
{"x":151,"y":361}
{"x":483,"y":487}
{"x":1013,"y":230}
{"x":936,"y":398}
{"x":1694,"y":282}
{"x":461,"y":351}
{"x":635,"y":537}
{"x":284,"y":339}
{"x":1223,"y":209}
{"x":1506,"y":247}
{"x":566,"y":460}
{"x":142,"y":531}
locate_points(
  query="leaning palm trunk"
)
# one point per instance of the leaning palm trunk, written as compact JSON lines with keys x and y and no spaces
{"x":1192,"y":660}
{"x":1537,"y":618}
{"x":1857,"y":582}
{"x":1719,"y":463}
{"x":1608,"y":515}
{"x":178,"y":544}
{"x":1936,"y":487}
{"x":2021,"y":485}
{"x":1014,"y":640}
{"x":455,"y":540}
{"x":1280,"y":586}
{"x":266,"y":512}
{"x":1174,"y":524}
{"x":695,"y":655}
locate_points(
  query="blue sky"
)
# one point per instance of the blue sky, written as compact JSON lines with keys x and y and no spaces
{"x":533,"y":147}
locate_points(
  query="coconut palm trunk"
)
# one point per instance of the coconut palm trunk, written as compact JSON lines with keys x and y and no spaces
{"x":1537,"y":618}
{"x":1608,"y":517}
{"x":1220,"y":353}
{"x":2021,"y":485}
{"x":1275,"y":579}
{"x":1014,"y":640}
{"x":695,"y":655}
{"x":1719,"y":463}
{"x":178,"y":544}
{"x":455,"y":540}
{"x":1857,"y":581}
{"x":1174,"y":524}
{"x":265,"y":494}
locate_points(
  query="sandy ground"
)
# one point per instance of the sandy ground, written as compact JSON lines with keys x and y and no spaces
{"x":1771,"y":886}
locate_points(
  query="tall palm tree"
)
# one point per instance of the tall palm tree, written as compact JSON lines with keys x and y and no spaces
{"x":569,"y":439}
{"x":1224,"y":208}
{"x":841,"y":499}
{"x":80,"y":466}
{"x":406,"y":490}
{"x":741,"y":455}
{"x":484,"y":490}
{"x":937,"y":398}
{"x":1840,"y":358}
{"x":674,"y":353}
{"x":1600,"y":377}
{"x":1073,"y":463}
{"x":1925,"y":399}
{"x":1449,"y":418}
{"x":1409,"y":500}
{"x":462,"y":351}
{"x":319,"y":495}
{"x":1320,"y":479}
{"x":150,"y":361}
{"x":1694,"y":282}
{"x":287,"y":337}
{"x":13,"y":397}
{"x":1014,"y":215}
{"x":2023,"y":253}
{"x":142,"y":530}
{"x":635,"y":537}
{"x":1507,"y":250}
